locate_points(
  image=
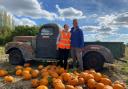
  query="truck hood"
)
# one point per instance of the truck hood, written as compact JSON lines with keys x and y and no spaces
{"x":23,"y":38}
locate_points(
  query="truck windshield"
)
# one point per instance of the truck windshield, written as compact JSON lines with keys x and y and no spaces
{"x":46,"y":31}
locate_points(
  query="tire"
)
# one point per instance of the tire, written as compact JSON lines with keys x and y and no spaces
{"x":93,"y":60}
{"x":16,"y":57}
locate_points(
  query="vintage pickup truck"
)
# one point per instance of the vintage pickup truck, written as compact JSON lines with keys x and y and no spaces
{"x":43,"y":47}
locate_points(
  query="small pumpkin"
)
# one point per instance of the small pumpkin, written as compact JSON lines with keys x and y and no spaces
{"x":28,"y":69}
{"x":35,"y":83}
{"x":69,"y":87}
{"x":78,"y":87}
{"x":59,"y":86}
{"x":35,"y":73}
{"x":40,"y":67}
{"x":27,"y":65}
{"x":108,"y":87}
{"x":97,"y":76}
{"x":100,"y":86}
{"x":27,"y":76}
{"x":73,"y":81}
{"x":91,"y":83}
{"x":66,"y":76}
{"x":18,"y":67}
{"x":106,"y":81}
{"x":19,"y":72}
{"x":87,"y":77}
{"x":42,"y":87}
{"x":43,"y":81}
{"x":3,"y":73}
{"x":8,"y":79}
{"x":118,"y":86}
{"x":80,"y":81}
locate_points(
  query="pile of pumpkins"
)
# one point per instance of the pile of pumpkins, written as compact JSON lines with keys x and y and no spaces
{"x":54,"y":77}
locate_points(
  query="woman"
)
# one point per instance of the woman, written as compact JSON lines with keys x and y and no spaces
{"x":63,"y":46}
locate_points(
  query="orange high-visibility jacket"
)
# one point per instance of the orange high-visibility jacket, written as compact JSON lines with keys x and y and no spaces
{"x":64,"y":41}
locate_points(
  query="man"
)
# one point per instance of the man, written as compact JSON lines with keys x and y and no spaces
{"x":63,"y":46}
{"x":77,"y":43}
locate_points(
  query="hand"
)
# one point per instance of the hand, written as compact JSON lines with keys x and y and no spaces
{"x":57,"y":48}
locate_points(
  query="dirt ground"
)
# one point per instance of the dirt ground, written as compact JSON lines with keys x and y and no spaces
{"x":114,"y":71}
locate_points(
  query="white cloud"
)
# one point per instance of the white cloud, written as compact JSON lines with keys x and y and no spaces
{"x":69,"y":13}
{"x":23,"y":21}
{"x":28,"y":8}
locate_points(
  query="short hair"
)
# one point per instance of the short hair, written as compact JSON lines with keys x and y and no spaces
{"x":75,"y":20}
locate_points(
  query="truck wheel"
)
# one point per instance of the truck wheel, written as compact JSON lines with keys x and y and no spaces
{"x":16,"y":57}
{"x":93,"y":60}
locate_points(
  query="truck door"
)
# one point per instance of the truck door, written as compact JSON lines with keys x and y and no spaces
{"x":46,"y":41}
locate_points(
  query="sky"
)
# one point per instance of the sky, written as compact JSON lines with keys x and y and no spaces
{"x":102,"y":20}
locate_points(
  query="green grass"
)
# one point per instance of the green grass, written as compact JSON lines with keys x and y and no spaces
{"x":2,"y":50}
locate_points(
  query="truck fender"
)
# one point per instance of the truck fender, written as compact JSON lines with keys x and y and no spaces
{"x":105,"y":52}
{"x":26,"y":49}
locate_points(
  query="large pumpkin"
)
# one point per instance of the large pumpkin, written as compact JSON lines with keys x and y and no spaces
{"x":106,"y":81}
{"x":69,"y":87}
{"x":19,"y":72}
{"x":44,"y":81}
{"x":118,"y":86}
{"x":35,"y":73}
{"x":42,"y":87}
{"x":100,"y":86}
{"x":91,"y":83}
{"x":35,"y":83}
{"x":8,"y":79}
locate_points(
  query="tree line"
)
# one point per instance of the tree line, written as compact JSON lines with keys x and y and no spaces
{"x":6,"y":35}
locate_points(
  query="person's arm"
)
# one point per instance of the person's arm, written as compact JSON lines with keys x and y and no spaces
{"x":58,"y":39}
{"x":81,"y":39}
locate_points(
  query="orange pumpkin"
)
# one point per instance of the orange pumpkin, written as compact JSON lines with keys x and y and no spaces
{"x":97,"y":76}
{"x":59,"y":86}
{"x":35,"y":83}
{"x":106,"y":81}
{"x":60,"y":70}
{"x":108,"y":87}
{"x":3,"y":73}
{"x":8,"y":79}
{"x":54,"y":74}
{"x":43,"y":81}
{"x":73,"y":81}
{"x":27,"y":65}
{"x":42,"y":87}
{"x":28,"y":69}
{"x":100,"y":86}
{"x":40,"y":67}
{"x":87,"y":77}
{"x":78,"y":87}
{"x":80,"y":81}
{"x":69,"y":87}
{"x":35,"y":73}
{"x":91,"y":83}
{"x":18,"y":67}
{"x":118,"y":86}
{"x":83,"y":74}
{"x":66,"y":76}
{"x":27,"y":76}
{"x":19,"y":72}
